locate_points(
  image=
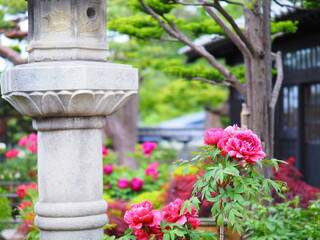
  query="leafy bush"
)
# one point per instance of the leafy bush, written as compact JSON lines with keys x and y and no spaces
{"x":295,"y":186}
{"x":5,"y":212}
{"x":285,"y":221}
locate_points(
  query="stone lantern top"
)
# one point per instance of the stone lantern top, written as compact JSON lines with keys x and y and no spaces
{"x":61,"y":30}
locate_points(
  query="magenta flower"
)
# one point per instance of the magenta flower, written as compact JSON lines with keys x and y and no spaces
{"x":172,"y":214}
{"x":33,"y":138}
{"x":245,"y":145}
{"x":12,"y":153}
{"x":108,"y":169}
{"x":23,"y":142}
{"x":137,"y":184}
{"x":213,"y":136}
{"x":123,"y":183}
{"x":108,"y":185}
{"x":148,"y":148}
{"x":154,"y":165}
{"x":33,"y":148}
{"x":105,"y":151}
{"x":142,"y":215}
{"x":152,"y":172}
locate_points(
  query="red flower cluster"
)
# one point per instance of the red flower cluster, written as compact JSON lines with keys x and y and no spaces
{"x":295,"y":186}
{"x":29,"y":142}
{"x":145,"y":221}
{"x":23,"y":189}
{"x":239,"y":143}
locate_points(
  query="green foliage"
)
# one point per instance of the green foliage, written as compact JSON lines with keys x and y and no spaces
{"x":199,"y":70}
{"x":5,"y":212}
{"x":178,"y":97}
{"x":157,"y":5}
{"x":156,"y":197}
{"x":4,"y":24}
{"x":284,"y":27}
{"x":206,"y":26}
{"x":230,"y":186}
{"x":284,"y":221}
{"x":143,"y":27}
{"x":14,"y":6}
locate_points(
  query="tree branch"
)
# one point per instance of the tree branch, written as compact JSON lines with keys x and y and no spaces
{"x":235,"y":27}
{"x":289,"y":6}
{"x":175,"y":32}
{"x":279,"y":80}
{"x":192,"y":4}
{"x":233,"y":37}
{"x":165,"y":39}
{"x":226,"y":84}
{"x":232,"y":2}
{"x":11,"y":55}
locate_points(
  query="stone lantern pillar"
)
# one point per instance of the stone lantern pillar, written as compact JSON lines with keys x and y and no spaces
{"x":68,"y":89}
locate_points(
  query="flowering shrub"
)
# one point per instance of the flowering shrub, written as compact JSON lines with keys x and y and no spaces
{"x":29,"y":196}
{"x":120,"y":182}
{"x":231,"y":180}
{"x":181,"y":187}
{"x":149,"y":152}
{"x":20,"y":163}
{"x":295,"y":186}
{"x":172,"y":222}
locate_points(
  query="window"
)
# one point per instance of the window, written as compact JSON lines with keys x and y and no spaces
{"x":312,"y":113}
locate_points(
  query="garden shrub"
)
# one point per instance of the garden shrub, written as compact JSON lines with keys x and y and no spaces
{"x":295,"y":186}
{"x":285,"y":221}
{"x":5,"y":212}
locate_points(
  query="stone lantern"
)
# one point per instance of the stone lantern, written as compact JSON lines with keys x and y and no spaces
{"x":68,"y":89}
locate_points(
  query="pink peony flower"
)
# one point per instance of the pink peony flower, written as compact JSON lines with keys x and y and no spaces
{"x":212,"y":136}
{"x":108,"y":169}
{"x":105,"y":151}
{"x":12,"y":153}
{"x":137,"y":184}
{"x":194,"y":222}
{"x":23,"y":142}
{"x":222,"y":144}
{"x":33,"y":148}
{"x":23,"y":205}
{"x":154,"y":165}
{"x":142,"y":215}
{"x":148,"y":148}
{"x":123,"y":183}
{"x":245,"y":145}
{"x":32,"y":186}
{"x":171,"y":213}
{"x":21,"y":190}
{"x":33,"y":138}
{"x":153,"y":172}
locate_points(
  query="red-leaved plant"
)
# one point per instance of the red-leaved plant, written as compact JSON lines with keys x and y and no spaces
{"x":295,"y":186}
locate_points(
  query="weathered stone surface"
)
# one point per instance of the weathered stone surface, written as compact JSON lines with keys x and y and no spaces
{"x":70,"y":174}
{"x":67,"y":30}
{"x":76,"y":88}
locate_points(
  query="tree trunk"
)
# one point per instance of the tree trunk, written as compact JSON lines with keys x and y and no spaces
{"x":258,"y":73}
{"x":121,"y":128}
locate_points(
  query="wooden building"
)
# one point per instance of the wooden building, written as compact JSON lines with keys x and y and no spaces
{"x":297,"y":119}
